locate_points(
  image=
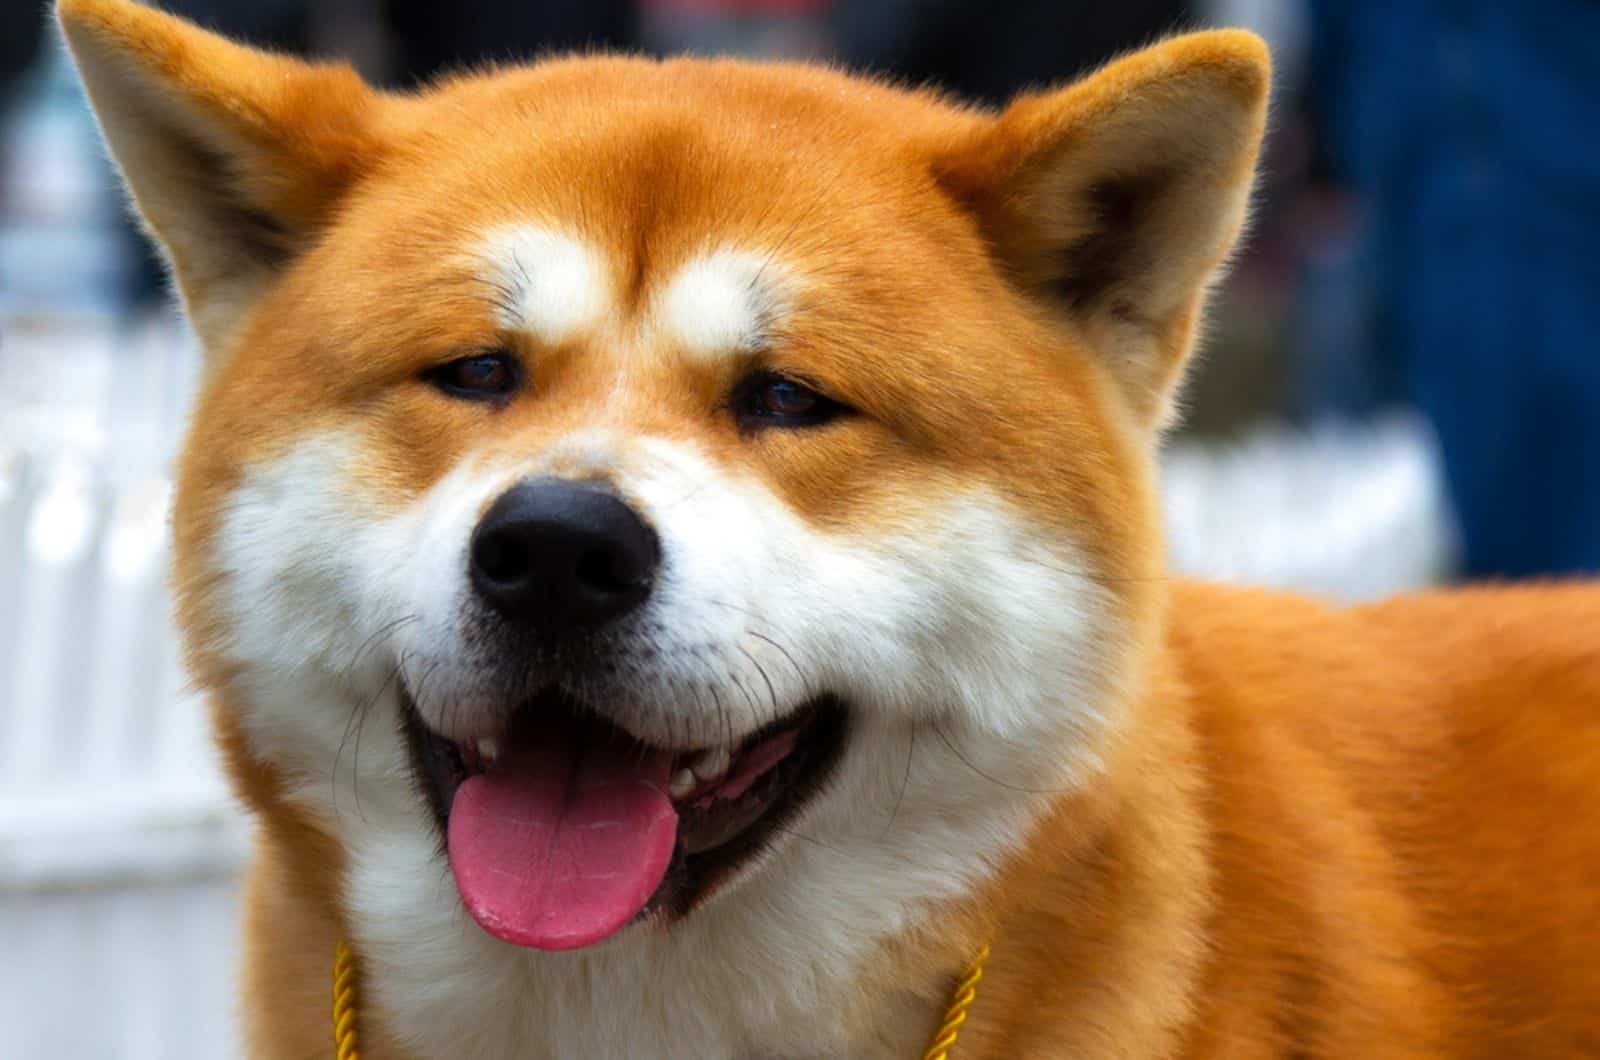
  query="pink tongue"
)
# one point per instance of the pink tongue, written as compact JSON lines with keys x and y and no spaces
{"x":560,"y":846}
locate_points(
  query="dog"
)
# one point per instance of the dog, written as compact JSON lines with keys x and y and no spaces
{"x":674,"y":553}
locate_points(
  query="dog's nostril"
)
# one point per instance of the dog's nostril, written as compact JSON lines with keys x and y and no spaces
{"x":563,"y":555}
{"x":500,"y":558}
{"x":609,"y":571}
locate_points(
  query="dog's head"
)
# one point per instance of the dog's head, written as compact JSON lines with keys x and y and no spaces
{"x":671,"y":491}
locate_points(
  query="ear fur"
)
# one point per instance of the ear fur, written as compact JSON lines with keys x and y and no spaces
{"x":234,"y":157}
{"x":1115,"y":200}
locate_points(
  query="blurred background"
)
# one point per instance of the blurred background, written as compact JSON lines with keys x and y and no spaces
{"x":1400,"y":388}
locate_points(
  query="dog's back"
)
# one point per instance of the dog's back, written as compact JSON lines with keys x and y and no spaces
{"x":1405,"y":815}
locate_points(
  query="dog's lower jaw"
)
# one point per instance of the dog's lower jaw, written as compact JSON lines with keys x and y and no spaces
{"x":714,"y":984}
{"x":885,"y":1006}
{"x":797,"y":959}
{"x":747,"y":976}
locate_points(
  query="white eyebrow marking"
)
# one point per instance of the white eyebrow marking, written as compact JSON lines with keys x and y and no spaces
{"x":547,"y":283}
{"x":721,"y":303}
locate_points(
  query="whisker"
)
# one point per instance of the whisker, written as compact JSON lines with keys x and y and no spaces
{"x":694,"y":492}
{"x":782,"y":651}
{"x":738,"y":682}
{"x":358,"y":714}
{"x":771,"y":692}
{"x":905,"y":782}
{"x":353,"y":725}
{"x":361,"y":724}
{"x":758,"y":635}
{"x":727,"y":722}
{"x":806,"y":839}
{"x":993,"y":780}
{"x":371,"y":643}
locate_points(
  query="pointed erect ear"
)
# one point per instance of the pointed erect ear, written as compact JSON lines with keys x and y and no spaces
{"x":234,"y":157}
{"x":1115,"y":200}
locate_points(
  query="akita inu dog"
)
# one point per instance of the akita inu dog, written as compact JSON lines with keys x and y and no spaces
{"x":673,"y":549}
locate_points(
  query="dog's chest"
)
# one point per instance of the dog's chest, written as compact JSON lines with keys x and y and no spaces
{"x":583,"y":1017}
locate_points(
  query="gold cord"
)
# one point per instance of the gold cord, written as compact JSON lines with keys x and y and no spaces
{"x":966,"y":993}
{"x":344,"y":1006}
{"x":345,"y":1044}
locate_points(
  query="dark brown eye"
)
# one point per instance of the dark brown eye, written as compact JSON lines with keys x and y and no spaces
{"x":780,"y":397}
{"x":486,"y":376}
{"x":767,"y":399}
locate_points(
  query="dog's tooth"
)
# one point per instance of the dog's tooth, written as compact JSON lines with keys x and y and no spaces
{"x":711,"y":764}
{"x":683,"y":782}
{"x":488,"y":750}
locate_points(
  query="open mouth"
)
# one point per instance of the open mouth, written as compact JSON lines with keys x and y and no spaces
{"x":566,"y":829}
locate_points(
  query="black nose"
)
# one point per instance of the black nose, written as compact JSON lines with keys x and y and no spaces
{"x":564,"y":556}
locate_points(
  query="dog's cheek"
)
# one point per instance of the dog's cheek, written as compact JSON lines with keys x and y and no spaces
{"x":294,"y":610}
{"x":965,"y":608}
{"x":973,"y":615}
{"x":291,"y":588}
{"x":325,"y":576}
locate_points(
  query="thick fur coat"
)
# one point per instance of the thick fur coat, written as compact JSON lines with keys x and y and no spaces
{"x":1192,"y":821}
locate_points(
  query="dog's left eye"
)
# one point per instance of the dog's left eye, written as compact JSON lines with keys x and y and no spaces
{"x":484,"y":377}
{"x":771,"y":400}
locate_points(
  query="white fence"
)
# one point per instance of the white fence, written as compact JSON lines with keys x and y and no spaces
{"x":119,"y":848}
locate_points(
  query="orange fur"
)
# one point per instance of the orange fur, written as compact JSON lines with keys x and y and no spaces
{"x":1315,"y":832}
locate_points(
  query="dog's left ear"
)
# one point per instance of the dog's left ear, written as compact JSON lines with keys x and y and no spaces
{"x":1115,"y":200}
{"x":234,"y":157}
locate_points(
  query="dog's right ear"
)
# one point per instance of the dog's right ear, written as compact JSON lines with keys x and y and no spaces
{"x":1114,"y":201}
{"x":234,"y":157}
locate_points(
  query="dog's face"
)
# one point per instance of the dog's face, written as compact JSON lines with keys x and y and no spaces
{"x":683,"y":498}
{"x":707,"y":480}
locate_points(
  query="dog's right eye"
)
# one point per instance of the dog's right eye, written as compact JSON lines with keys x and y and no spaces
{"x":483,"y":377}
{"x":767,"y":399}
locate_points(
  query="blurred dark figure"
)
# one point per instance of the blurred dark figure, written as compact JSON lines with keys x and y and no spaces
{"x":1468,"y":128}
{"x":431,"y":37}
{"x":989,"y":51}
{"x":20,"y":32}
{"x":405,"y":42}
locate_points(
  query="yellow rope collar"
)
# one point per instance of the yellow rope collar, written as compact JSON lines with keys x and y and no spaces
{"x":944,"y":1039}
{"x":347,"y":1046}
